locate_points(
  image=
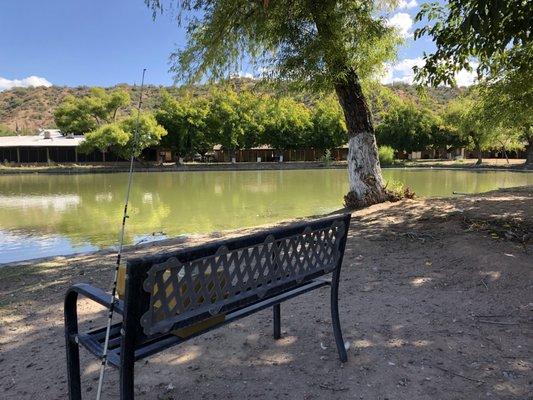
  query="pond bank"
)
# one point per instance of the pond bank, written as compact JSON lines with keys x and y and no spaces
{"x":436,"y":302}
{"x":489,"y":164}
{"x":167,"y":167}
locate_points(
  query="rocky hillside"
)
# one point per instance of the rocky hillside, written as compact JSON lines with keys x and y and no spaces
{"x":27,"y":109}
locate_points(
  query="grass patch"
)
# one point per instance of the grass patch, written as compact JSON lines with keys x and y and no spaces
{"x":398,"y":190}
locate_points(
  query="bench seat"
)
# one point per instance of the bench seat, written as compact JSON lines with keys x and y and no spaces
{"x":94,"y":340}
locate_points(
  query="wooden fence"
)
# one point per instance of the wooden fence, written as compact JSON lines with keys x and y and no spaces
{"x":269,"y":155}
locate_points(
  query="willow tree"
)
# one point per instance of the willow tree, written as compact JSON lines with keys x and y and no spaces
{"x":319,"y":44}
{"x":508,"y":103}
{"x":495,"y":38}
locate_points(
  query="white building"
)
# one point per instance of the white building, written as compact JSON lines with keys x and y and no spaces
{"x":47,"y":145}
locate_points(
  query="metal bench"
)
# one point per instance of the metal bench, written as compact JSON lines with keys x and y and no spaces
{"x":173,"y":297}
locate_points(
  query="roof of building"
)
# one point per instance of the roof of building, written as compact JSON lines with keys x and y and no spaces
{"x":219,"y":147}
{"x":56,"y":139}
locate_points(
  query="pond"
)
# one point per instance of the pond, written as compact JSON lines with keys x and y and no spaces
{"x":44,"y":215}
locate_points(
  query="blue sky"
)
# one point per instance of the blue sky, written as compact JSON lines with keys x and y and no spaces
{"x":106,"y":42}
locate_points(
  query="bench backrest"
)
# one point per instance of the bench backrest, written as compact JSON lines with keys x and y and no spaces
{"x":177,"y":289}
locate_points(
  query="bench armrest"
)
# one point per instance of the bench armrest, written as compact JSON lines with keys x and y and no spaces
{"x":97,"y":295}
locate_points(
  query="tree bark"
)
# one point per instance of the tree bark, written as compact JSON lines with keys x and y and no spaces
{"x":505,"y":154}
{"x":529,"y":153}
{"x":479,"y":155}
{"x":364,"y":171}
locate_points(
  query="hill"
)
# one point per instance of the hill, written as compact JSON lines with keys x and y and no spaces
{"x":27,"y":109}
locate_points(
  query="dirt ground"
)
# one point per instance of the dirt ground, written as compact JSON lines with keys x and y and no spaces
{"x":436,"y":302}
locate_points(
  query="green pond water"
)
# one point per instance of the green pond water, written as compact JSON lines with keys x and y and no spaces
{"x":44,"y":215}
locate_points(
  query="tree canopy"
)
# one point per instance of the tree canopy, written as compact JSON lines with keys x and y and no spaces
{"x":288,"y":124}
{"x":406,"y":128}
{"x":79,"y":115}
{"x":99,"y":116}
{"x":495,"y":37}
{"x":329,"y":128}
{"x":281,"y":36}
{"x":243,"y":120}
{"x":185,"y":122}
{"x":465,"y":114}
{"x":127,"y":137}
{"x":492,"y":35}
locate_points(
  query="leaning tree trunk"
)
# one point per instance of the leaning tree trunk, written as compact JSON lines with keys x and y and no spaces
{"x":505,"y":154}
{"x":366,"y":182}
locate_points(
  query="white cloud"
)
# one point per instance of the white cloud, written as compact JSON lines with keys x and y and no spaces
{"x":466,"y":78}
{"x":30,"y":81}
{"x":403,"y":22}
{"x":402,"y":71}
{"x":407,"y":4}
{"x":386,"y":76}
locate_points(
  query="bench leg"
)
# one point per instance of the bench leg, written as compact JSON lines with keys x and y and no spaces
{"x":73,"y":352}
{"x":73,"y":369}
{"x":126,"y":382}
{"x":335,"y":317}
{"x":277,"y":321}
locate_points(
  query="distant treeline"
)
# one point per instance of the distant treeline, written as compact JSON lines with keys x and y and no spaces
{"x":191,"y":121}
{"x":25,"y":110}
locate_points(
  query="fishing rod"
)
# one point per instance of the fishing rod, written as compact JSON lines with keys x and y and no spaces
{"x":120,"y":246}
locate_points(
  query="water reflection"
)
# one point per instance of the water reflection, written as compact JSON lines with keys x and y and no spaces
{"x":60,"y":214}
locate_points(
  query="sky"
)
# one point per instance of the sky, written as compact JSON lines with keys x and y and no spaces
{"x":104,"y":43}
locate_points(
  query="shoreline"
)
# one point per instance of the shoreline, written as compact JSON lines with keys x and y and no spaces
{"x":67,"y":169}
{"x":159,"y":245}
{"x":194,"y":238}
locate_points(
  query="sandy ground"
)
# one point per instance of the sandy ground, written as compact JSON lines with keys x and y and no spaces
{"x":436,"y":303}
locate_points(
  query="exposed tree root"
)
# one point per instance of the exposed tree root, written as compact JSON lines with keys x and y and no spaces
{"x":354,"y":202}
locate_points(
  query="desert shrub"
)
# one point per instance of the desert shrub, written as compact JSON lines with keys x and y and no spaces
{"x":5,"y":131}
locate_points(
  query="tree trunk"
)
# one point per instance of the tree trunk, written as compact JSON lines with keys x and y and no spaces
{"x":479,"y":155}
{"x":529,"y":153}
{"x":365,"y":179}
{"x":505,"y":154}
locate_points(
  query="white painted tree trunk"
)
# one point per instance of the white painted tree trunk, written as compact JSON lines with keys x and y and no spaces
{"x":364,"y":171}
